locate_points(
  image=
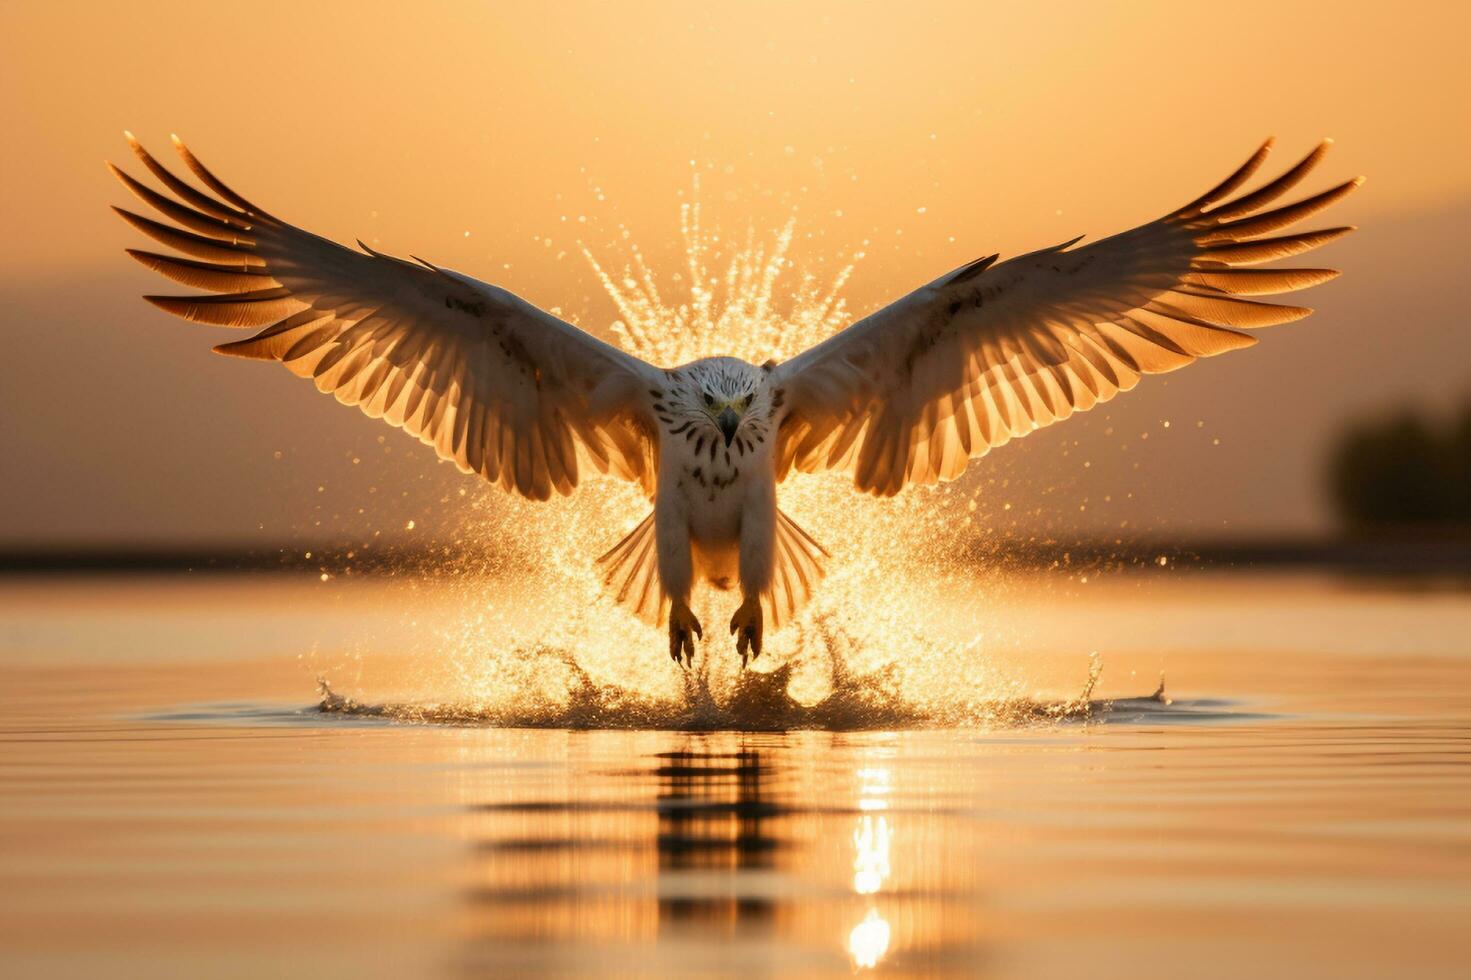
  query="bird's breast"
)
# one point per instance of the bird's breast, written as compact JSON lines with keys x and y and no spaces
{"x":712,"y":484}
{"x":714,"y":493}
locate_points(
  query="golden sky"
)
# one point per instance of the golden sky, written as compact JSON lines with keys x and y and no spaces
{"x":921,"y":134}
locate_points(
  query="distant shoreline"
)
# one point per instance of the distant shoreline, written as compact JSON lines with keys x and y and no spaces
{"x":1369,"y":555}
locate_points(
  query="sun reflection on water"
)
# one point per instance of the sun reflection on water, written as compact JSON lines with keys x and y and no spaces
{"x":871,"y":863}
{"x":869,"y":940}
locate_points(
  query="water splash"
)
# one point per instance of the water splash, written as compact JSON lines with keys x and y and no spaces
{"x":873,"y":631}
{"x":758,"y":702}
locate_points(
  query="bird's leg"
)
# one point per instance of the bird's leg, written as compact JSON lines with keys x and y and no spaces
{"x":684,"y":628}
{"x":757,"y":559}
{"x":676,"y":573}
{"x":746,"y":626}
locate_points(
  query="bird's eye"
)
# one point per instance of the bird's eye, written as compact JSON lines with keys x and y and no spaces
{"x":708,"y":399}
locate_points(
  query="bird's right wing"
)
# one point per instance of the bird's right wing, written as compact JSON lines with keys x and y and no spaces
{"x":493,"y":384}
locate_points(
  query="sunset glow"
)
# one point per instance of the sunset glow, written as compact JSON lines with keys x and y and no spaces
{"x":764,"y":489}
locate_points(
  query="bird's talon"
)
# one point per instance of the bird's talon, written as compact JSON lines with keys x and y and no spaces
{"x":745,"y":625}
{"x":684,"y":629}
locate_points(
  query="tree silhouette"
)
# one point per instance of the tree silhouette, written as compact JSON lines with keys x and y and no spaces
{"x":1404,"y":470}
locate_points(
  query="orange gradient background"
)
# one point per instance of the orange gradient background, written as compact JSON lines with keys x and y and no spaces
{"x":495,"y":138}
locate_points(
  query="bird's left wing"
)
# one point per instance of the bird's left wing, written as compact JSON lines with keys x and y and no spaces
{"x":994,"y":351}
{"x":493,"y":384}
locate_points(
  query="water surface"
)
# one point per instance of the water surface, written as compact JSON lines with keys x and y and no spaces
{"x":173,"y":802}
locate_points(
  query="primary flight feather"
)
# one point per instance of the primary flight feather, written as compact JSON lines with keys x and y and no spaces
{"x":910,"y":394}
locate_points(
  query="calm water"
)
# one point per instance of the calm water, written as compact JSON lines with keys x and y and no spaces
{"x":172,"y":803}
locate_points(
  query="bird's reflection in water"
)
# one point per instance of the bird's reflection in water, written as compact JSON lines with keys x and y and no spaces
{"x":714,"y":830}
{"x":711,"y":853}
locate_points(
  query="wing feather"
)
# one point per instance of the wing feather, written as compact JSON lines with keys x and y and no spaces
{"x":220,"y":277}
{"x":493,"y":384}
{"x":993,"y":350}
{"x":199,"y":246}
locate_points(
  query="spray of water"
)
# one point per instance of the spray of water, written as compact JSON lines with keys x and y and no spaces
{"x":885,"y":640}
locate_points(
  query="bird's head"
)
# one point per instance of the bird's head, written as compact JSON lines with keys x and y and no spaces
{"x":727,"y":394}
{"x":726,"y":412}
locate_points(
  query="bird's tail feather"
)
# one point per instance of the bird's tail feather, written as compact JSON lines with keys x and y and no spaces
{"x":631,"y":572}
{"x":796,"y":569}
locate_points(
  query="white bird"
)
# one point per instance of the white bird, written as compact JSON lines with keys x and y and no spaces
{"x":908,"y":395}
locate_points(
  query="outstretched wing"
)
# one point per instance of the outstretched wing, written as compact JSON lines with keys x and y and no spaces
{"x":495,"y":385}
{"x":993,"y":351}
